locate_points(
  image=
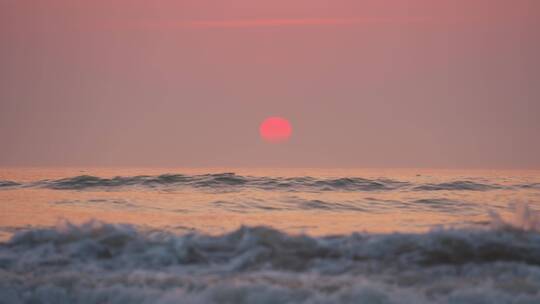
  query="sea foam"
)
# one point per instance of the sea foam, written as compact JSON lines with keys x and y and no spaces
{"x":98,"y":262}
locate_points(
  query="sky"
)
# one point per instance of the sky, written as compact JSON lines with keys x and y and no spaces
{"x":364,"y":83}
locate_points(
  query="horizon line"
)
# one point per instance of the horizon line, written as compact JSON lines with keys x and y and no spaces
{"x":276,"y":22}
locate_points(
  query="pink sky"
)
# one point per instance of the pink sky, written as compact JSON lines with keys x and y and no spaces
{"x":375,"y":83}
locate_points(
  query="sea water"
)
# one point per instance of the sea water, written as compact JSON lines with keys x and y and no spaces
{"x":80,"y":235}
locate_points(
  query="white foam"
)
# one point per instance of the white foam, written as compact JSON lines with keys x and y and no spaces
{"x":112,"y":263}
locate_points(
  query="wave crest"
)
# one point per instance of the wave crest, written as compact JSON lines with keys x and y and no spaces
{"x":223,"y":181}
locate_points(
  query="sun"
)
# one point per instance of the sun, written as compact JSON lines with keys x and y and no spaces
{"x":275,"y":129}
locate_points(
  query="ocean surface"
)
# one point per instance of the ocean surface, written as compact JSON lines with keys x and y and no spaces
{"x":225,"y":235}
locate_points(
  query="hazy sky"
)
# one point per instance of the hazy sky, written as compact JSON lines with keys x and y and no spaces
{"x":418,"y":83}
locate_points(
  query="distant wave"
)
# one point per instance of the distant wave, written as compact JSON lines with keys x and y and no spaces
{"x":223,"y":180}
{"x":530,"y":186}
{"x":231,"y":181}
{"x":297,"y":203}
{"x":334,"y":206}
{"x":446,"y":205}
{"x":457,"y":185}
{"x":286,"y":205}
{"x":114,"y":263}
{"x":5,"y":183}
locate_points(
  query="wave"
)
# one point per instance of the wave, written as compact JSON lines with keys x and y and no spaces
{"x":288,"y":204}
{"x":6,"y":183}
{"x":457,"y":185}
{"x":529,"y":186}
{"x":222,"y":180}
{"x":232,"y":181}
{"x":251,"y":248}
{"x":96,"y":262}
{"x":445,"y":205}
{"x":297,"y":203}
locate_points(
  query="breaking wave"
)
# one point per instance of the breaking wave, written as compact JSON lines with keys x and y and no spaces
{"x":98,"y":262}
{"x":233,"y":181}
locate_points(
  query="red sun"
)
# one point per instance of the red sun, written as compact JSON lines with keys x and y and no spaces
{"x":275,"y":129}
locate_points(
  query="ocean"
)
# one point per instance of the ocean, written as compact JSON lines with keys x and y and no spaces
{"x":229,"y":235}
